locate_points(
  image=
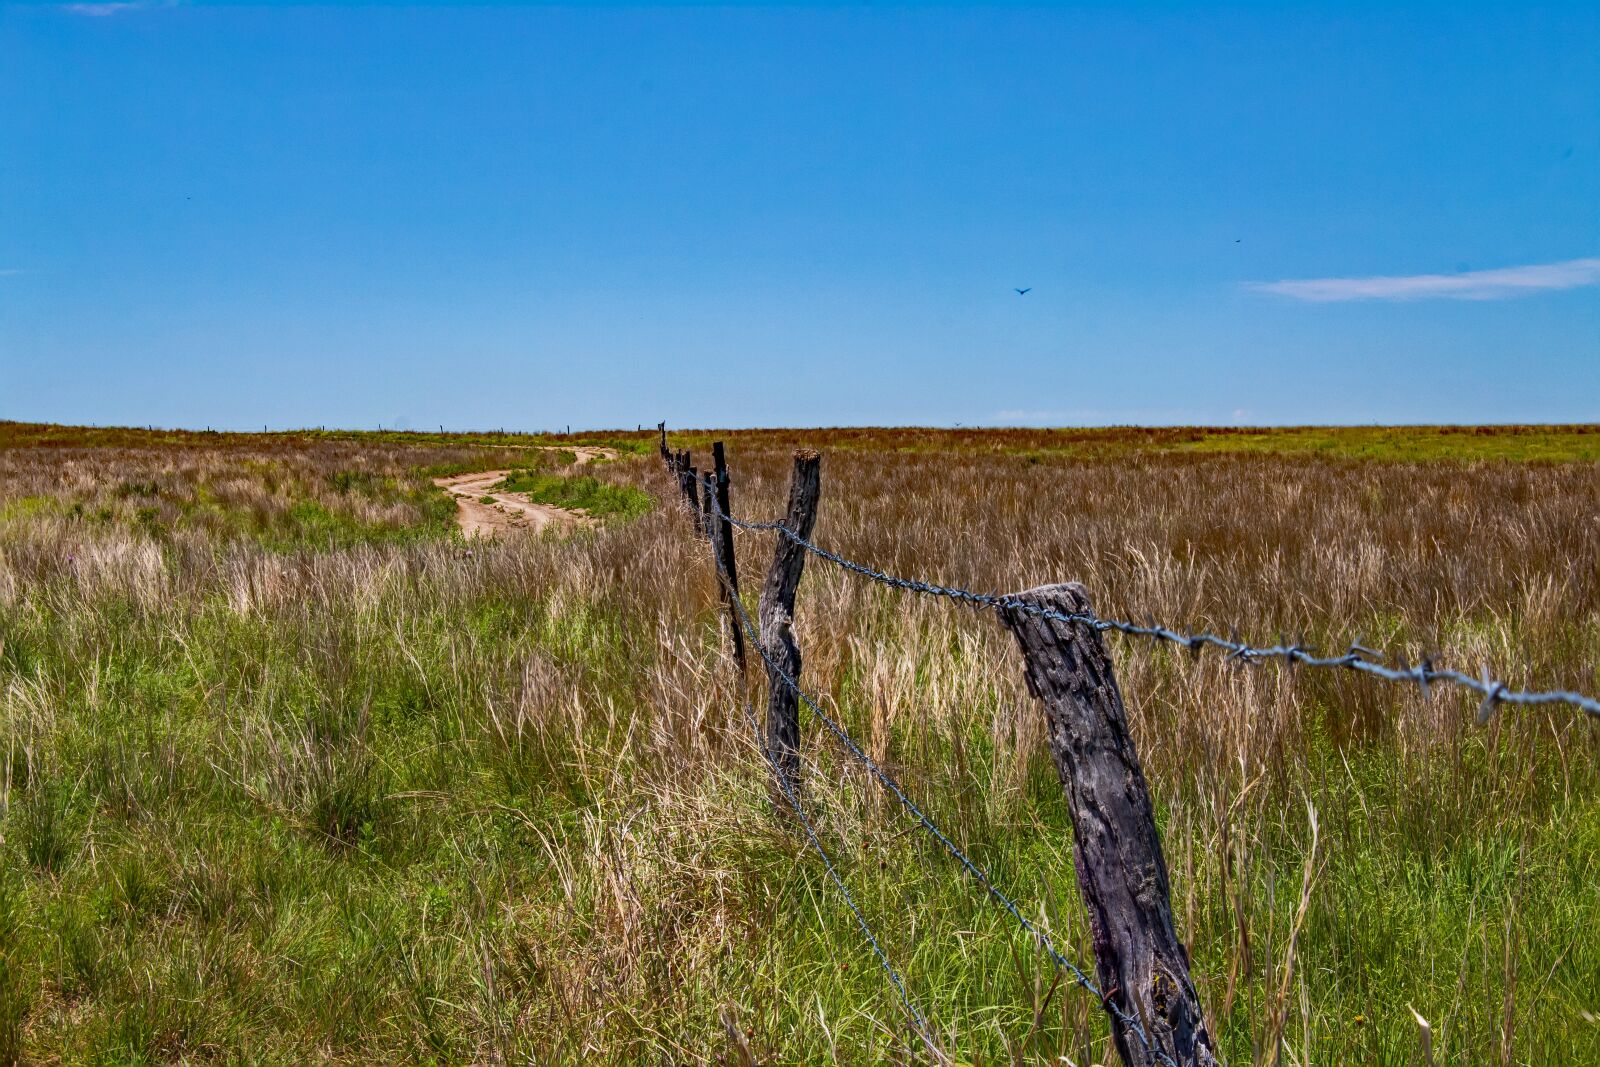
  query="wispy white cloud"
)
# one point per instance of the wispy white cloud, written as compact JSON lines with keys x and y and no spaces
{"x":6,"y":272}
{"x":115,"y":7}
{"x":100,"y":10}
{"x":1468,"y":285}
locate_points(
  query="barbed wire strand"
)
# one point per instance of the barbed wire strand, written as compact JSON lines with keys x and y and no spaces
{"x":888,"y":782}
{"x":919,"y":1021}
{"x":1356,"y":658}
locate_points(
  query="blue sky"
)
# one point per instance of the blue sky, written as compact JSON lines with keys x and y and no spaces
{"x":533,"y":216}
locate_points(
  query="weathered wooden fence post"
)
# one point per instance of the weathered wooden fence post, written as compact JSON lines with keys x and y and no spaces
{"x":683,"y":463}
{"x":706,"y":493}
{"x":666,"y":456}
{"x":1142,"y":966}
{"x":691,"y":496}
{"x":722,"y":548}
{"x":727,"y":580}
{"x":777,"y":618}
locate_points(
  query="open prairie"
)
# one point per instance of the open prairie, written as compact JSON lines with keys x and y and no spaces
{"x":296,"y":773}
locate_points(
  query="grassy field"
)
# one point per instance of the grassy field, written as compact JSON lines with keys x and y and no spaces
{"x":293,"y":774}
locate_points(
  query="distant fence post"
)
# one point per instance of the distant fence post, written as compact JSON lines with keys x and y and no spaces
{"x":721,"y":531}
{"x":1142,"y":966}
{"x":777,"y":618}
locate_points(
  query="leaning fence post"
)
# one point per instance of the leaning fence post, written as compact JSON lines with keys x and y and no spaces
{"x":1142,"y":966}
{"x":777,"y":619}
{"x":722,"y":546}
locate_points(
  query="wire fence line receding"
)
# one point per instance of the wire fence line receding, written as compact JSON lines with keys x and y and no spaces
{"x":1355,"y":658}
{"x":1143,"y":966}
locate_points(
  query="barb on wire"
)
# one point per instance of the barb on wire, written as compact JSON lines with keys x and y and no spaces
{"x":1039,"y":935}
{"x":1355,"y":658}
{"x":919,"y":1021}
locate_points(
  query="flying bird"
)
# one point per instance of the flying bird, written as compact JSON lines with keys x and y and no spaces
{"x":1023,"y":292}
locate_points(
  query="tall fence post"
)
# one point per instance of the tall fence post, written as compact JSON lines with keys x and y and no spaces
{"x":721,"y":531}
{"x":777,"y":619}
{"x":1143,"y":968}
{"x":666,"y":457}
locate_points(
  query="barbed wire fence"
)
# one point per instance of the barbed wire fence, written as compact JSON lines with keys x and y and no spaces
{"x":1144,"y":983}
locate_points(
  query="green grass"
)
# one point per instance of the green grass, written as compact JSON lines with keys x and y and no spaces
{"x":1453,"y":444}
{"x":27,"y":507}
{"x":295,"y":840}
{"x":291,"y":520}
{"x":311,"y":524}
{"x":1545,"y":443}
{"x":530,"y":459}
{"x":602,"y":500}
{"x":1459,"y":444}
{"x":631,"y":444}
{"x":308,"y":523}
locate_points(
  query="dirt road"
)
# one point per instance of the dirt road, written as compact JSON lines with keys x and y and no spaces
{"x":483,"y":513}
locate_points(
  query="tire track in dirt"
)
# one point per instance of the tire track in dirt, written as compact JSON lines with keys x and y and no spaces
{"x":482,"y":512}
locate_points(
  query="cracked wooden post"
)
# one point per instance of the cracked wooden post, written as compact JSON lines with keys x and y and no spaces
{"x":1142,"y":966}
{"x":722,"y":551}
{"x":666,"y":456}
{"x":777,"y":617}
